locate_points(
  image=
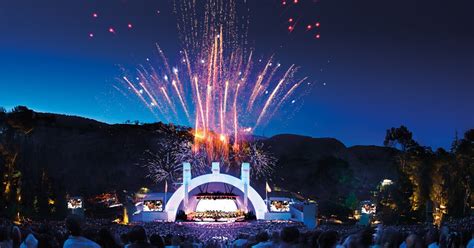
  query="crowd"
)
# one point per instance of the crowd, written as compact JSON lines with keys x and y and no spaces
{"x":75,"y":232}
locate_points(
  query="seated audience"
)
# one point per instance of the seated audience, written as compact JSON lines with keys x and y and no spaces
{"x":75,"y":240}
{"x":138,"y":238}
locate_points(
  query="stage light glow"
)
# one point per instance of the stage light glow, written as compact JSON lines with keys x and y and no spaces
{"x":386,"y":182}
{"x":224,"y":205}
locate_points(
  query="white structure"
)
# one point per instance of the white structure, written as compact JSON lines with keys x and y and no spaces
{"x":180,"y":200}
{"x":189,"y":183}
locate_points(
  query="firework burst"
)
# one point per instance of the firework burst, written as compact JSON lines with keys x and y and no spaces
{"x":167,"y":163}
{"x":216,"y":85}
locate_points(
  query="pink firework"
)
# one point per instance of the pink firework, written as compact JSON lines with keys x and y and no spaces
{"x":216,"y":84}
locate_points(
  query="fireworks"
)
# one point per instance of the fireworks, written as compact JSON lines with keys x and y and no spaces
{"x":262,"y":162}
{"x":167,"y":164}
{"x":299,"y":18}
{"x":217,"y":85}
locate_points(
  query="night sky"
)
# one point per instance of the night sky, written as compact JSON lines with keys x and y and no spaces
{"x":377,"y":64}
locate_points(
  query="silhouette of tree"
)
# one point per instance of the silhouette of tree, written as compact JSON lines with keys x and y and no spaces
{"x":440,"y":182}
{"x":399,"y":137}
{"x":415,"y":162}
{"x":11,"y":176}
{"x":351,"y":201}
{"x":464,"y":154}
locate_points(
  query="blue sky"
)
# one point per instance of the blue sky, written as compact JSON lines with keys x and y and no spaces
{"x":377,"y":65}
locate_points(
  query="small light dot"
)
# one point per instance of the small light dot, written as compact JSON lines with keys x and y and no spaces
{"x":95,"y":15}
{"x":130,"y":25}
{"x":91,"y":35}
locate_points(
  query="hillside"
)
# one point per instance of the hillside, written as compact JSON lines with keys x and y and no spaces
{"x":86,"y":157}
{"x":325,"y":169}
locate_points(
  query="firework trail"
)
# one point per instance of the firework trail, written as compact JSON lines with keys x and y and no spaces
{"x":217,"y":86}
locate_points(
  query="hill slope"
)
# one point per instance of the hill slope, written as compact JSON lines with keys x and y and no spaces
{"x":87,"y":157}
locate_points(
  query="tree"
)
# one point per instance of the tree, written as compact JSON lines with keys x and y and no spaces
{"x":11,"y":176}
{"x":399,"y":137}
{"x":415,"y":165}
{"x":439,"y":195}
{"x":20,"y":109}
{"x":464,"y":154}
{"x":336,"y":174}
{"x":351,"y":201}
{"x":22,"y":119}
{"x":440,"y":182}
{"x":11,"y":182}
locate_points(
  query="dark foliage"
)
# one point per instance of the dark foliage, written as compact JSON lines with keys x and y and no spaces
{"x":45,"y":157}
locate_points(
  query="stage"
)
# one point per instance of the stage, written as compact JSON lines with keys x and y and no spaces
{"x":219,"y":197}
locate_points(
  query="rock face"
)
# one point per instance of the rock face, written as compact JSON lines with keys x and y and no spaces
{"x":89,"y":157}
